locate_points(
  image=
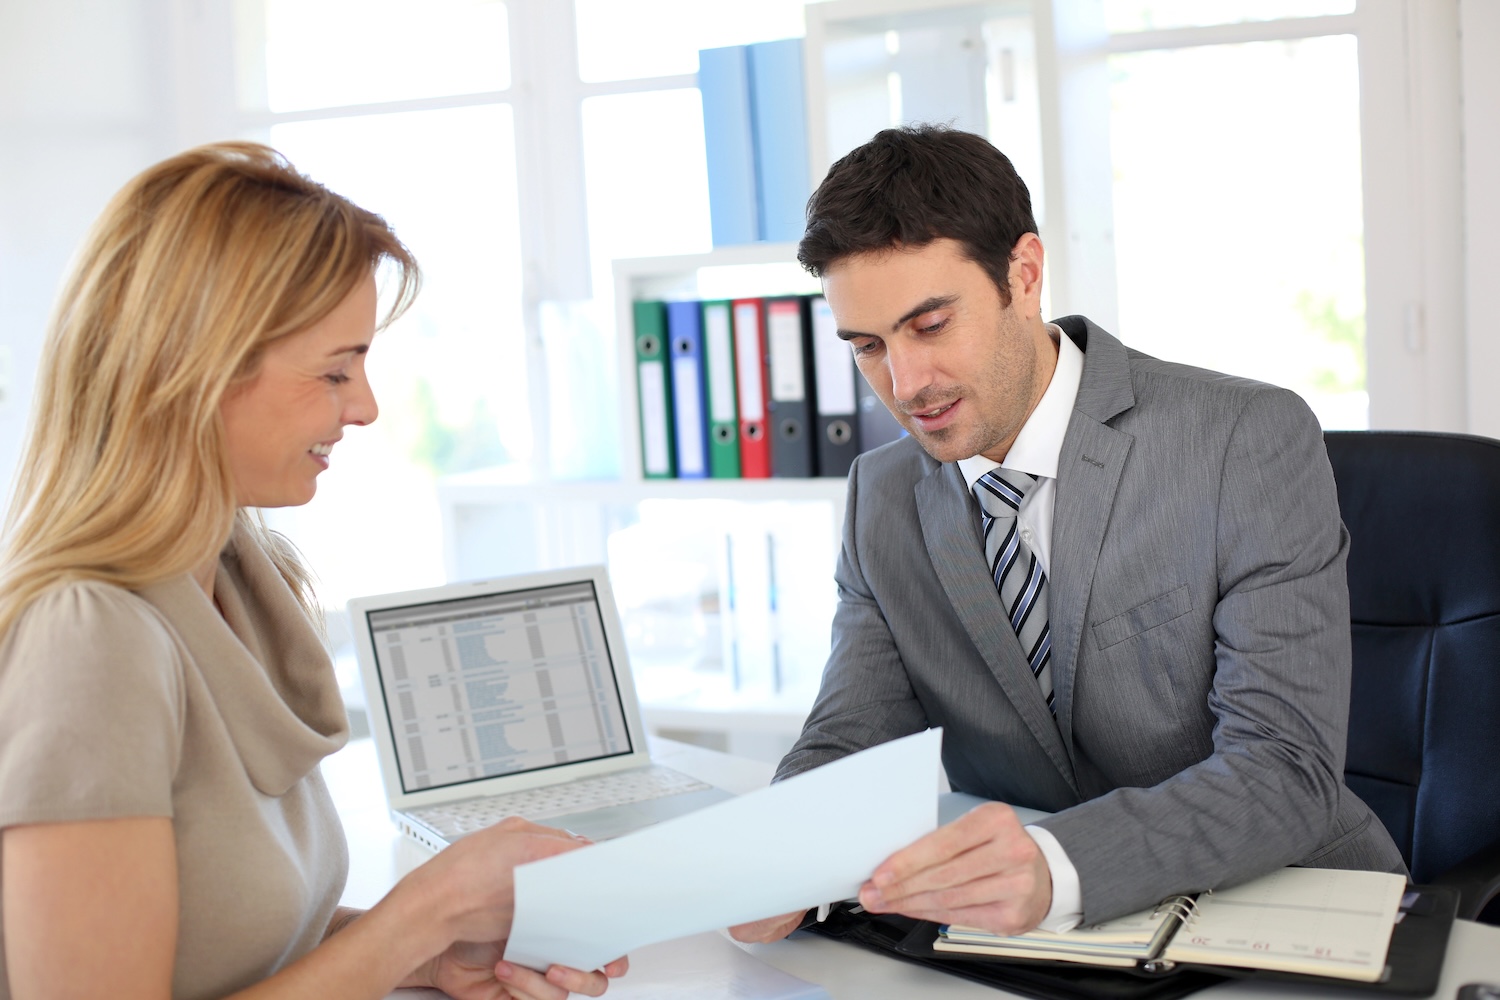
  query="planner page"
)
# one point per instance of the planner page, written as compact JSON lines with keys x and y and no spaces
{"x":1317,"y":921}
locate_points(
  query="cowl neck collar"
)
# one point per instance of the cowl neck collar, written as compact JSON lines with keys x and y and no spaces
{"x":263,"y":661}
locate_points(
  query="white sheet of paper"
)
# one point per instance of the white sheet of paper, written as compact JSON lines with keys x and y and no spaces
{"x":808,"y":840}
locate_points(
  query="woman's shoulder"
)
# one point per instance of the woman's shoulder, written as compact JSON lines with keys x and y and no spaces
{"x":93,"y":708}
{"x":91,"y":620}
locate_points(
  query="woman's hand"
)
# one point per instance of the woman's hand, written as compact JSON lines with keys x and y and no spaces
{"x":477,"y":873}
{"x":468,"y":890}
{"x":471,"y":971}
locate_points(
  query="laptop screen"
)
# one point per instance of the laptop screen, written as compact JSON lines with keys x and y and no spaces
{"x":499,"y":684}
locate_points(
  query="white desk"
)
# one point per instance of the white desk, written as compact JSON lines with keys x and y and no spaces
{"x":379,"y":856}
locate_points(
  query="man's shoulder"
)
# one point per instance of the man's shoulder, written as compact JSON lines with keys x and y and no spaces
{"x":884,"y":482}
{"x":902,"y":460}
{"x":1197,"y":393}
{"x":1110,"y":364}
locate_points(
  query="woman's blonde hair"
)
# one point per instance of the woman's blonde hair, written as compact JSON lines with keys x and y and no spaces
{"x":194,"y":268}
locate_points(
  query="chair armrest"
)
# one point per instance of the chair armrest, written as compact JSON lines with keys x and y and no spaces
{"x":1477,"y":878}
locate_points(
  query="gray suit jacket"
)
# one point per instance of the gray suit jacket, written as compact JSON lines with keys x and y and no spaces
{"x":1200,"y":637}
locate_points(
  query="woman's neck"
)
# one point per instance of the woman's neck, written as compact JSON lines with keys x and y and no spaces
{"x":205,"y":573}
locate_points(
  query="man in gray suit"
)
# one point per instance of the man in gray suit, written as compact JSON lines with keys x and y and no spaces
{"x":1117,"y":583}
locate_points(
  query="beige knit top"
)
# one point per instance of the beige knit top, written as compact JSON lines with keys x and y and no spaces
{"x":114,"y":703}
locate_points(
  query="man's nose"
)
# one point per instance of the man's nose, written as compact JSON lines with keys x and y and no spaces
{"x":911,"y":370}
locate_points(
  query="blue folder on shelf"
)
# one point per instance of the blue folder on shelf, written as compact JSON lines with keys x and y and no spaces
{"x":755,"y":138}
{"x":724,"y":81}
{"x":779,"y":118}
{"x":689,"y":412}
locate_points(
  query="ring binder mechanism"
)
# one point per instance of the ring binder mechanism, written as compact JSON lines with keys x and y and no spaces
{"x":1184,"y":908}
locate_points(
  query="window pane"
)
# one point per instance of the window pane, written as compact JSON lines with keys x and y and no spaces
{"x":647,"y":176}
{"x":1145,"y":15}
{"x":450,"y":376}
{"x":1238,"y":223}
{"x":330,"y":53}
{"x":647,"y":183}
{"x":630,"y":39}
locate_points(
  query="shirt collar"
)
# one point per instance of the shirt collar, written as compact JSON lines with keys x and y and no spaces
{"x":1039,"y":445}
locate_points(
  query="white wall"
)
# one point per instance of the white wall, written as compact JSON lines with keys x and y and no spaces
{"x":91,"y":92}
{"x":1479,"y":30}
{"x":79,"y":113}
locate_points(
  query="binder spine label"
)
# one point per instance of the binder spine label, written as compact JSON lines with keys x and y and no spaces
{"x":657,"y":453}
{"x":720,"y":365}
{"x":748,"y":351}
{"x":784,"y":331}
{"x":833,"y":364}
{"x":689,"y":417}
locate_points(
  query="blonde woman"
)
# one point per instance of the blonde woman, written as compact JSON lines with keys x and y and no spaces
{"x":164,"y":696}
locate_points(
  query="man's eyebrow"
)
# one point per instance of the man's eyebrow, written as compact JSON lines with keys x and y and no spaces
{"x":926,"y":305}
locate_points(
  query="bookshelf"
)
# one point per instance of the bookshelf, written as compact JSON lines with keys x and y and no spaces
{"x":753,"y":269}
{"x":499,"y":521}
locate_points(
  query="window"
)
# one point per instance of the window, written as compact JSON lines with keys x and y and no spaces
{"x":1237,"y":211}
{"x":1195,"y":167}
{"x":378,"y":106}
{"x":450,"y":376}
{"x":480,"y":130}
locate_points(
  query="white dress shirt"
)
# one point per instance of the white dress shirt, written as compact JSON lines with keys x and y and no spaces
{"x":1036,"y":451}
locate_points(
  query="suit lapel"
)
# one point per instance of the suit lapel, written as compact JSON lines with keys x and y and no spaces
{"x":1088,"y":476}
{"x":950,"y":528}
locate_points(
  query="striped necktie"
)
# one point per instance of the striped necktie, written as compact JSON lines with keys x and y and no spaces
{"x":1018,"y":576}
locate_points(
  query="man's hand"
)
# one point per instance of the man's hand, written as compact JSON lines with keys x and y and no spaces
{"x":983,"y":870}
{"x":768,"y":930}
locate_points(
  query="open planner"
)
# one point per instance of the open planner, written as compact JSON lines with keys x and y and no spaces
{"x":1311,"y":921}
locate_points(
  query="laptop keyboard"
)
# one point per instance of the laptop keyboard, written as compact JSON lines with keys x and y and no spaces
{"x":541,"y":804}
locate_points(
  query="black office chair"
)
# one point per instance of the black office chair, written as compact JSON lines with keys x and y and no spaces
{"x":1423,"y":513}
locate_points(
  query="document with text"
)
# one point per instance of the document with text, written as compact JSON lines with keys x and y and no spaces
{"x":811,"y":839}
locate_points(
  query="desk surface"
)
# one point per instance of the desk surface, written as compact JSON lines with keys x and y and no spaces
{"x":379,"y":855}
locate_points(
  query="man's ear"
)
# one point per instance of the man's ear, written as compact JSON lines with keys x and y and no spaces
{"x":1026,"y":259}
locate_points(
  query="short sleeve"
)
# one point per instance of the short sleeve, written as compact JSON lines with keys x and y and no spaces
{"x":91,"y":709}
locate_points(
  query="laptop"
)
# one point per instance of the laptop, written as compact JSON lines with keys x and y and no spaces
{"x":511,"y":696}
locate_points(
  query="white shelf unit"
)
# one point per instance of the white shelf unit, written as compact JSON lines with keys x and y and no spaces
{"x":754,"y":269}
{"x":498,"y":521}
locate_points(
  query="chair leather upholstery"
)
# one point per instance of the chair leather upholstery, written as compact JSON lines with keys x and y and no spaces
{"x":1423,"y":514}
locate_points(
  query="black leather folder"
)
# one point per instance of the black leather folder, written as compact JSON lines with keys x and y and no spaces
{"x":1414,"y":962}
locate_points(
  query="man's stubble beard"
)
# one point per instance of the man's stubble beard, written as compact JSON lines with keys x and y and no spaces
{"x":1010,"y":380}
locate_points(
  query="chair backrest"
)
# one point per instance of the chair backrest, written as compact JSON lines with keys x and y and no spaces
{"x":1423,"y":513}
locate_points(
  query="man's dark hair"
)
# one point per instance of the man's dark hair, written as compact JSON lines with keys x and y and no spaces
{"x":911,"y":185}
